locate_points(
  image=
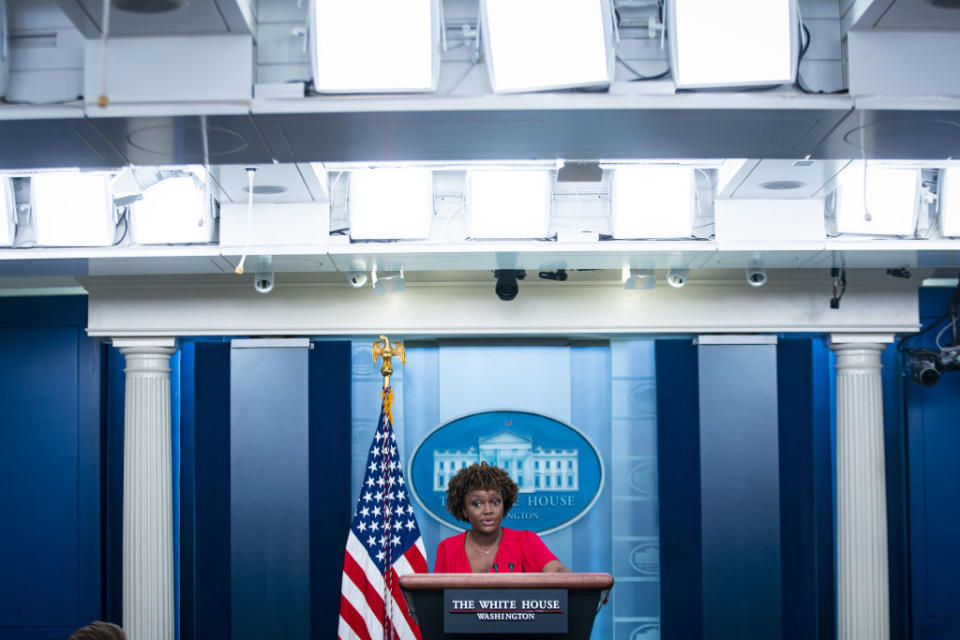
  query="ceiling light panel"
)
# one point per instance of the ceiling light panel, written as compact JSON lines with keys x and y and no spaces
{"x":653,"y":201}
{"x":173,"y":211}
{"x":508,"y":204}
{"x":881,"y":202}
{"x":950,"y":201}
{"x":390,"y":204}
{"x":72,"y":210}
{"x":728,"y":44}
{"x":535,"y":45}
{"x":7,"y":226}
{"x":375,"y":46}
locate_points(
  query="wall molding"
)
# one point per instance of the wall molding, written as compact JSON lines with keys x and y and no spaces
{"x":792,"y":301}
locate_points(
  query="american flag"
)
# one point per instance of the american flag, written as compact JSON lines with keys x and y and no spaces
{"x":384,"y":543}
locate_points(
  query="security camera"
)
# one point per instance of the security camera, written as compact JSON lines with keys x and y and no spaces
{"x":263,"y":278}
{"x":357,"y":279}
{"x":677,"y":278}
{"x":926,"y":369}
{"x":507,"y":287}
{"x":756,"y":277}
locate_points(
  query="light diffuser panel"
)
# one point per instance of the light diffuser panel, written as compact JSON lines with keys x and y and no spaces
{"x":950,"y":201}
{"x":173,"y":211}
{"x":885,"y":203}
{"x":508,"y":203}
{"x":375,"y":46}
{"x":73,"y":210}
{"x":730,"y":44}
{"x":651,"y":201}
{"x":535,"y":45}
{"x":391,"y":204}
{"x":7,"y":226}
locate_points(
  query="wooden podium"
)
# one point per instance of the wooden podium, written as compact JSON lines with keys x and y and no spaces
{"x":508,"y":606}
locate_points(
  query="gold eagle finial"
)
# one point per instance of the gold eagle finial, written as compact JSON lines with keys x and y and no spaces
{"x":383,"y":349}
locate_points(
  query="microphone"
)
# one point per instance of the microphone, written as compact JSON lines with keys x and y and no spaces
{"x":510,"y":566}
{"x":494,"y":567}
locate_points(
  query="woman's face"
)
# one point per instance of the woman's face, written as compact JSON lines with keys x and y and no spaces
{"x":484,"y":510}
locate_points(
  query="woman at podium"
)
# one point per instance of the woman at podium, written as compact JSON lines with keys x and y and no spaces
{"x":482,"y":495}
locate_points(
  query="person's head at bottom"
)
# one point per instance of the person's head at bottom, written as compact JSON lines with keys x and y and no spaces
{"x":481,"y":495}
{"x":99,"y":630}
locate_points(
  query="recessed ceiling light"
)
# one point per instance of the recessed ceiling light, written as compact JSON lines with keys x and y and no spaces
{"x":148,"y":6}
{"x":266,"y":189}
{"x":782,"y":185}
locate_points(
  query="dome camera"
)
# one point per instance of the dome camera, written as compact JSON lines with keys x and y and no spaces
{"x":357,"y":279}
{"x":263,"y":278}
{"x":263,"y":282}
{"x":677,"y":278}
{"x":756,"y":277}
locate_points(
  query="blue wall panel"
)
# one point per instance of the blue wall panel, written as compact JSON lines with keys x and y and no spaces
{"x":806,"y":488}
{"x":934,"y":484}
{"x":590,"y":411}
{"x":49,"y":469}
{"x":678,"y":426}
{"x":269,"y":493}
{"x":330,"y":508}
{"x":210,"y":424}
{"x":740,"y":491}
{"x":112,"y":447}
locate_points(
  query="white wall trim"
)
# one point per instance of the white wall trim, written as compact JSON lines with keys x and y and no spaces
{"x":211,"y":305}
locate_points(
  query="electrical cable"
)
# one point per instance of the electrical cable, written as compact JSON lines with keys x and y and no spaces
{"x":949,"y":325}
{"x":102,"y":100}
{"x":639,"y":76}
{"x":805,"y":39}
{"x":246,"y":247}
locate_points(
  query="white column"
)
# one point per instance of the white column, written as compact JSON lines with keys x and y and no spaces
{"x":863,"y":594}
{"x":148,"y":608}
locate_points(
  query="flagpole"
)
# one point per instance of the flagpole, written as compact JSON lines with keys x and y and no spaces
{"x":383,"y":349}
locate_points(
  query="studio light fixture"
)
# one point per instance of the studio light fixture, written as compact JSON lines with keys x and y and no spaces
{"x":508,"y":204}
{"x":677,"y":278}
{"x":390,"y":204}
{"x":375,"y":46}
{"x":733,"y":44}
{"x":570,"y":46}
{"x":877,"y":199}
{"x":653,"y":201}
{"x":176,"y":210}
{"x":950,"y":201}
{"x":8,"y":225}
{"x":72,"y":209}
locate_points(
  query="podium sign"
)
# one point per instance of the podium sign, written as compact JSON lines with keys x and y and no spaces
{"x":505,"y":611}
{"x":505,"y":606}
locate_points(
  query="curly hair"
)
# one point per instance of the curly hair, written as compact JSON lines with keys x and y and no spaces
{"x":99,"y":630}
{"x":485,"y":478}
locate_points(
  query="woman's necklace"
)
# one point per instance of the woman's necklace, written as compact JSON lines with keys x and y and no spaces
{"x":486,"y":551}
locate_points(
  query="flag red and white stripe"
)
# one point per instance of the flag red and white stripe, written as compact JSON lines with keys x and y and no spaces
{"x":384,"y":543}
